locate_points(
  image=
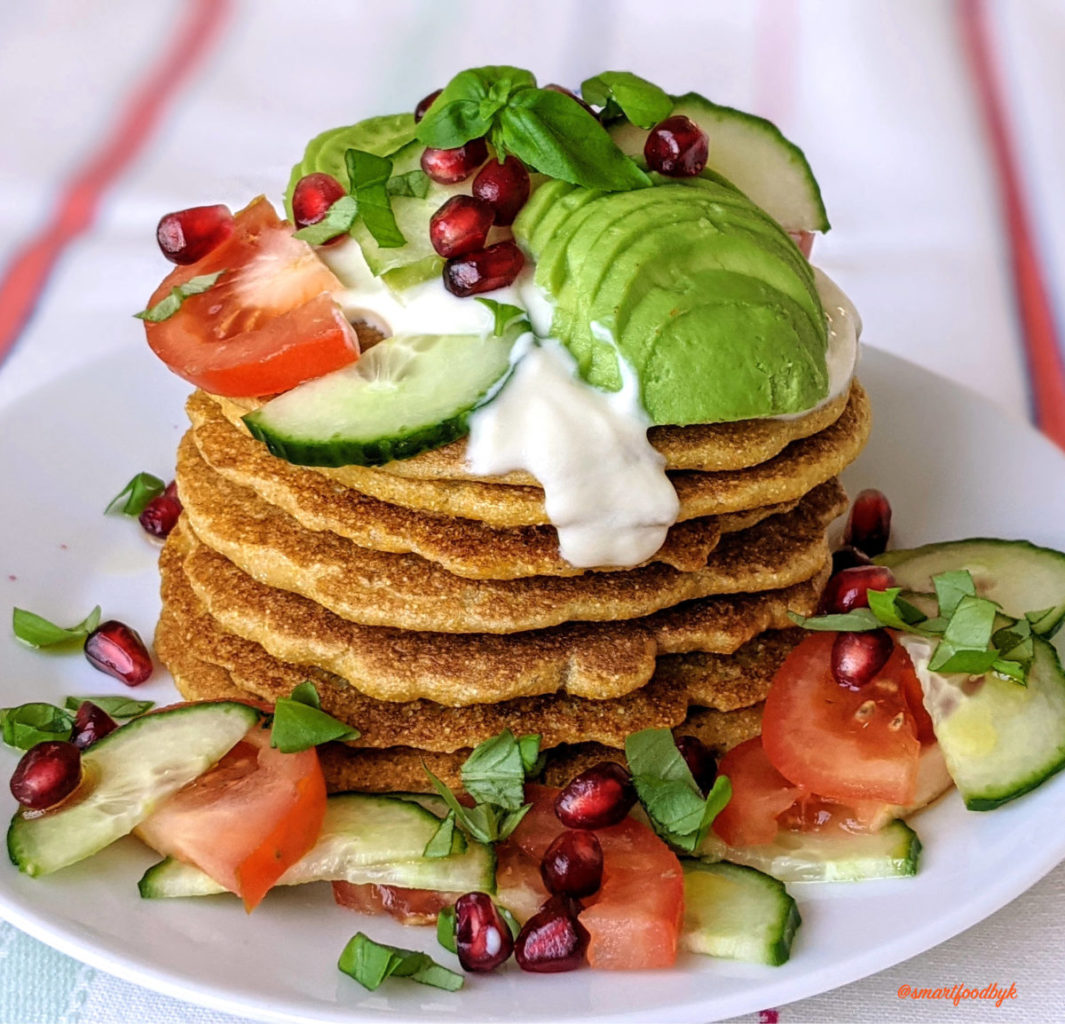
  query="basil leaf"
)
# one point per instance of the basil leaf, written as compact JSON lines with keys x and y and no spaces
{"x":548,"y":131}
{"x":116,"y":707}
{"x":414,"y":184}
{"x":949,"y":658}
{"x":891,"y":610}
{"x":971,"y":624}
{"x":299,"y":722}
{"x":137,"y":493}
{"x":676,"y":806}
{"x":505,"y":315}
{"x":857,"y":621}
{"x":165,"y":308}
{"x":1047,"y":622}
{"x":29,"y":724}
{"x":31,"y":629}
{"x":445,"y":929}
{"x":370,"y":963}
{"x":510,"y":821}
{"x":444,"y":840}
{"x":337,"y":221}
{"x":467,"y":106}
{"x":642,"y":102}
{"x":951,"y":587}
{"x":495,"y":772}
{"x":369,"y":176}
{"x":532,"y":758}
{"x":1014,"y":671}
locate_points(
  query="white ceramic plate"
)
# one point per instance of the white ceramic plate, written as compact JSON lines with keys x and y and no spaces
{"x":953,"y":465}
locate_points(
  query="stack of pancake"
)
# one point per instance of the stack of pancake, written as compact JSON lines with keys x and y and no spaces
{"x":432,"y":608}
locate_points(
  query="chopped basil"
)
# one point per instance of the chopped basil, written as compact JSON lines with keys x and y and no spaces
{"x":950,"y":588}
{"x":116,"y":707}
{"x":413,"y":184}
{"x":137,"y":493}
{"x":446,"y":840}
{"x":31,"y":629}
{"x":1047,"y":622}
{"x":642,"y":102}
{"x":369,"y":177}
{"x":676,"y":806}
{"x":505,"y":315}
{"x":495,"y":771}
{"x":165,"y":308}
{"x":486,"y":823}
{"x":337,"y":221}
{"x":300,"y":723}
{"x":29,"y":724}
{"x":370,"y":963}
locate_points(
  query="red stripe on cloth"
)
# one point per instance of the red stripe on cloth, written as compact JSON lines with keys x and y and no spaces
{"x":28,"y":273}
{"x":1042,"y":344}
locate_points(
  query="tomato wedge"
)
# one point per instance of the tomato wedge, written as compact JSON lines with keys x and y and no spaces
{"x":759,"y":795}
{"x":408,"y":906}
{"x":246,"y":820}
{"x":268,"y":323}
{"x":842,"y":744}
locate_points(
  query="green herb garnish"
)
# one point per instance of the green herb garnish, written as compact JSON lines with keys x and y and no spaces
{"x":370,"y":963}
{"x":31,"y":629}
{"x":300,"y":723}
{"x":136,"y":494}
{"x":165,"y":308}
{"x":116,"y":707}
{"x":369,"y":176}
{"x":29,"y":724}
{"x":505,"y":316}
{"x":413,"y":184}
{"x":676,"y":806}
{"x":544,"y":129}
{"x":446,"y":840}
{"x":623,"y":93}
{"x":337,"y":221}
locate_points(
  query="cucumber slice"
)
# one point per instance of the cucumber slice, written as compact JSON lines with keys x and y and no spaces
{"x":406,"y":395}
{"x":753,"y":155}
{"x":737,"y":913}
{"x":892,"y":852}
{"x":1019,"y":576}
{"x":127,"y":774}
{"x":1002,"y":739}
{"x":365,"y":839}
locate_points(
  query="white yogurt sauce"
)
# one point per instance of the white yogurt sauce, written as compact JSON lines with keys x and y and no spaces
{"x":605,"y":487}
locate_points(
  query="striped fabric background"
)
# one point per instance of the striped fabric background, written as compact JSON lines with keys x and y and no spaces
{"x":934,"y":127}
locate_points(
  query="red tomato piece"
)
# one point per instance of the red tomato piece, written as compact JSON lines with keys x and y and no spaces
{"x":842,"y":744}
{"x":246,"y":820}
{"x":408,"y":906}
{"x":634,"y":920}
{"x":760,"y":794}
{"x":268,"y":323}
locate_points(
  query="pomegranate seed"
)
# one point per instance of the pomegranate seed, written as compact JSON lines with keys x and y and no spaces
{"x":554,"y":87}
{"x":573,"y":864}
{"x":849,"y":589}
{"x":116,"y":649}
{"x":552,"y":940}
{"x":47,"y":773}
{"x":483,"y":271}
{"x":505,"y":186}
{"x":423,"y":105}
{"x":869,"y":524}
{"x":312,"y":197}
{"x":857,"y":657}
{"x":449,"y":166}
{"x":482,"y":937}
{"x":848,"y":557}
{"x":460,"y":226}
{"x":676,"y":146}
{"x":700,"y":761}
{"x":160,"y":515}
{"x":188,"y":235}
{"x":598,"y":797}
{"x":91,"y":723}
{"x":171,"y":489}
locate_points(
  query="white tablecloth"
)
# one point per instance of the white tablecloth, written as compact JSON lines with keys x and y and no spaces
{"x":114,"y":113}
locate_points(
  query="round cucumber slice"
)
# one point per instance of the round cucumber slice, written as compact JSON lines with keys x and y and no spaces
{"x":406,"y":395}
{"x":753,"y":155}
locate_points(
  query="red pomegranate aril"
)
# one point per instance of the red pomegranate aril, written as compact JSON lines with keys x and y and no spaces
{"x":482,"y":938}
{"x":596,"y":798}
{"x":450,"y":166}
{"x":47,"y":774}
{"x":160,"y":516}
{"x":484,"y":270}
{"x":699,"y":760}
{"x":848,"y":557}
{"x":312,"y":197}
{"x":188,"y":235}
{"x":555,"y":87}
{"x":460,"y":226}
{"x":171,"y":490}
{"x":91,"y":723}
{"x":424,"y":104}
{"x":573,"y":864}
{"x":505,"y":186}
{"x":849,"y":589}
{"x":677,"y":147}
{"x":116,"y":649}
{"x":551,"y":941}
{"x":869,"y":524}
{"x":857,"y":657}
